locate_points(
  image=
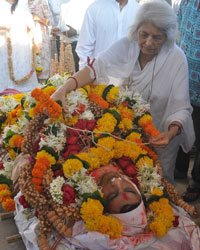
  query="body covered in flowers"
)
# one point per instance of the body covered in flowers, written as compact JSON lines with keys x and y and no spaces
{"x":91,"y":174}
{"x":150,"y":63}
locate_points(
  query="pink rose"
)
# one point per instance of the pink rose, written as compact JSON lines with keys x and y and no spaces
{"x":69,"y":195}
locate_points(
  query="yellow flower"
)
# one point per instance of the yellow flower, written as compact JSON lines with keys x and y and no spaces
{"x":92,"y":160}
{"x":103,"y":156}
{"x":39,"y":69}
{"x":108,"y":142}
{"x":133,"y":136}
{"x":91,"y":209}
{"x":157,"y":192}
{"x":49,"y":90}
{"x":71,"y":166}
{"x":31,"y":112}
{"x":98,"y":89}
{"x":112,"y":94}
{"x":107,"y":123}
{"x":144,"y":161}
{"x":126,"y":124}
{"x":71,"y":121}
{"x":4,"y":193}
{"x":12,"y":154}
{"x":50,"y":158}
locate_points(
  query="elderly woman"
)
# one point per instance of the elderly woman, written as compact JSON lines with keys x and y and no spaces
{"x":149,"y":62}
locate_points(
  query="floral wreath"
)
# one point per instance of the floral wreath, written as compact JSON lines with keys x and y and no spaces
{"x":104,"y":124}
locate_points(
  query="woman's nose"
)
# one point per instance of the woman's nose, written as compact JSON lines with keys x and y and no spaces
{"x":149,"y":40}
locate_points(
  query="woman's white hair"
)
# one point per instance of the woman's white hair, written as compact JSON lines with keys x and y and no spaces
{"x":161,"y":15}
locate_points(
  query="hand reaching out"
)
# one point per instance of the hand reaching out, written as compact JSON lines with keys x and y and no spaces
{"x":163,"y":139}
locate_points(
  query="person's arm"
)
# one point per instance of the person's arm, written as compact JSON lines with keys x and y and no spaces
{"x":87,"y":39}
{"x":178,"y":110}
{"x":79,"y":79}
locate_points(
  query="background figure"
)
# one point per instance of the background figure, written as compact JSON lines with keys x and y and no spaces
{"x":18,"y":72}
{"x":105,"y":22}
{"x":71,"y":19}
{"x":55,"y":8}
{"x":189,"y":29}
{"x":42,"y":17}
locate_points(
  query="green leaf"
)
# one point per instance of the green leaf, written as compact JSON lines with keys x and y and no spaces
{"x":114,"y":113}
{"x":5,"y":180}
{"x":106,"y":90}
{"x":85,"y":163}
{"x":50,"y":151}
{"x":96,"y":196}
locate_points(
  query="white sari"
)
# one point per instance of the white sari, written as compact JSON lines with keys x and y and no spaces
{"x":163,"y":82}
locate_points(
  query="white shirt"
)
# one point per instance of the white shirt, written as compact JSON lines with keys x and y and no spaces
{"x":55,"y":6}
{"x":72,"y":13}
{"x":104,"y":24}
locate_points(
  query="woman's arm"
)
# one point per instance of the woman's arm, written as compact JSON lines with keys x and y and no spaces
{"x":79,"y":79}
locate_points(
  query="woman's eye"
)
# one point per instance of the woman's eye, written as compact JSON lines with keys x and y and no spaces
{"x":111,"y":196}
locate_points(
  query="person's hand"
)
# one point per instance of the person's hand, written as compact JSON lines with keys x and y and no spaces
{"x":59,"y":95}
{"x":71,"y":32}
{"x":55,"y":31}
{"x":163,"y":139}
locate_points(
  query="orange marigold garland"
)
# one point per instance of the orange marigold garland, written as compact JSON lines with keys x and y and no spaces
{"x":53,"y":108}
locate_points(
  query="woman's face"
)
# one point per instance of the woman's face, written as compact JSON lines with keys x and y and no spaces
{"x":150,"y":39}
{"x":120,"y":193}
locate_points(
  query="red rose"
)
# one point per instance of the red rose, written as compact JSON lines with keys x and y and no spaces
{"x":125,"y":104}
{"x":80,"y":109}
{"x":1,"y":166}
{"x":69,"y":195}
{"x":91,"y":125}
{"x":135,"y":180}
{"x":124,"y":162}
{"x":130,"y":170}
{"x":81,"y":124}
{"x":72,"y":139}
{"x":58,"y":172}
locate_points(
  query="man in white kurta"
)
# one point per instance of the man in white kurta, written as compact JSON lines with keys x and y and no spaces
{"x":163,"y":82}
{"x":104,"y":23}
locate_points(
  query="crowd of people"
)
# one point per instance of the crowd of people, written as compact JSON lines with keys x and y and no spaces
{"x":149,"y":47}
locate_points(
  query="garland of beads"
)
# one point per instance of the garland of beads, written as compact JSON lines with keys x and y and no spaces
{"x":10,"y":62}
{"x":50,"y":214}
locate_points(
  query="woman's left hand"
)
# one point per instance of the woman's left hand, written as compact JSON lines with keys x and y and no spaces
{"x":163,"y":139}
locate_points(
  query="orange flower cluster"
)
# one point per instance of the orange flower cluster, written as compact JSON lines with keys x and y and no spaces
{"x":12,"y":116}
{"x":8,"y":203}
{"x":146,"y":123}
{"x":94,"y":97}
{"x":44,"y":101}
{"x":16,"y":141}
{"x":41,"y":165}
{"x":150,"y":152}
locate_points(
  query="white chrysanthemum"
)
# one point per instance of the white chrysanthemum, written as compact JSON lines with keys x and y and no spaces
{"x":149,"y":179}
{"x":73,"y":99}
{"x":57,"y":80}
{"x":140,"y":106}
{"x":56,"y":189}
{"x":8,"y":167}
{"x":87,"y":115}
{"x":56,"y":142}
{"x":82,"y":182}
{"x":8,"y":104}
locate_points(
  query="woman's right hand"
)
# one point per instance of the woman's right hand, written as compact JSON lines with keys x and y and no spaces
{"x":59,"y":95}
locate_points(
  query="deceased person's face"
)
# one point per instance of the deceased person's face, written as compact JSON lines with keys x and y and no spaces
{"x":122,"y":196}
